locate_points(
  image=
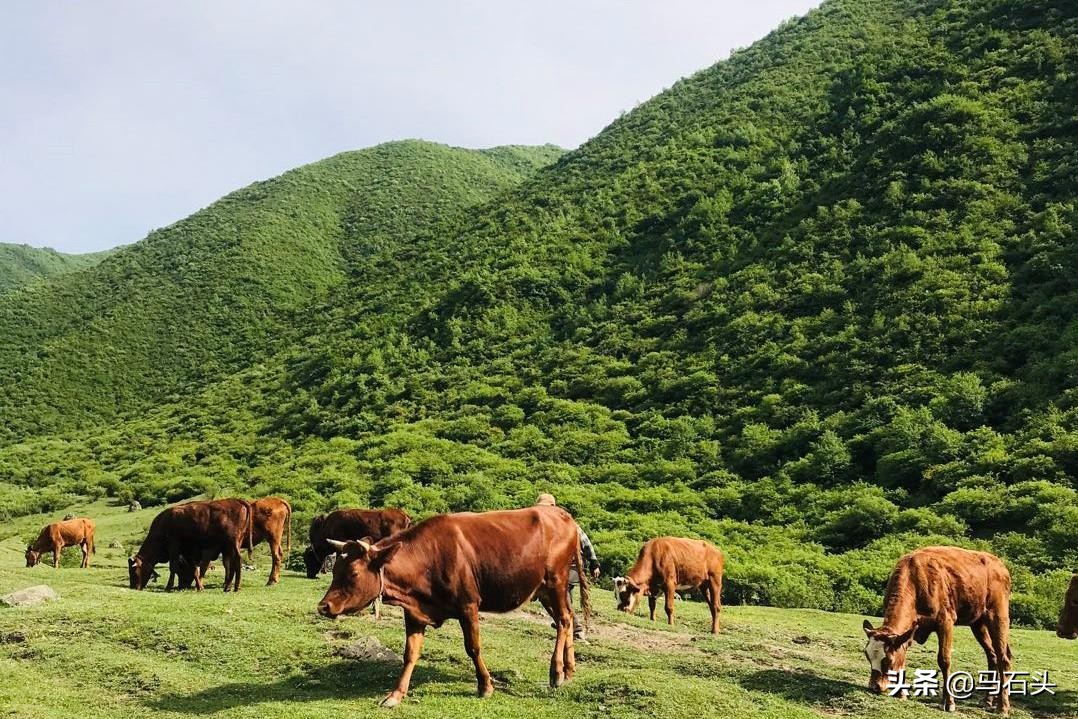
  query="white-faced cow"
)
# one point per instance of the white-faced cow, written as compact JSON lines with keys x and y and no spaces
{"x":932,"y":590}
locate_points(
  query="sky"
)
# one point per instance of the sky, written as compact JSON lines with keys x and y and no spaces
{"x":121,"y":117}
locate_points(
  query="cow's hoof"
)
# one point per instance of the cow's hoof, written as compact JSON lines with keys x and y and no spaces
{"x":485,"y":692}
{"x":391,"y":700}
{"x":948,"y":707}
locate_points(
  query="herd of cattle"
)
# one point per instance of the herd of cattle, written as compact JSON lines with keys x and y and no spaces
{"x":453,"y":566}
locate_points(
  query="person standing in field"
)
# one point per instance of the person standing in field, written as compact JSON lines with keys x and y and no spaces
{"x":588,"y":551}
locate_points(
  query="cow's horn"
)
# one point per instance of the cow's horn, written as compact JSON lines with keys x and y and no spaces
{"x":338,"y":545}
{"x":366,"y":545}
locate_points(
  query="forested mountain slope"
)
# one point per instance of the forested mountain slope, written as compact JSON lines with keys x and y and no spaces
{"x":21,"y":264}
{"x":211,"y":292}
{"x":816,"y":303}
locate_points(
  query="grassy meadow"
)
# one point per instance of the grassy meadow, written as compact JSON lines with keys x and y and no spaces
{"x":106,"y":651}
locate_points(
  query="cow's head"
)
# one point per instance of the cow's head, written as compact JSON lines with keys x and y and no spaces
{"x":627,"y":592}
{"x":312,"y":562}
{"x":357,"y":577}
{"x":139,"y":572}
{"x":886,"y":652}
{"x":32,"y":557}
{"x":1068,"y":616}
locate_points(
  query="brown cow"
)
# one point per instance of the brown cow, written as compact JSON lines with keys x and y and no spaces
{"x":345,"y":524}
{"x":1068,"y":615}
{"x":54,"y":537}
{"x":932,"y":590}
{"x":452,"y":566}
{"x":272,"y":521}
{"x":195,"y":529}
{"x":667,"y":564}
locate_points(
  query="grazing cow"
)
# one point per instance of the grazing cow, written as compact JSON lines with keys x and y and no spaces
{"x":272,"y":521}
{"x":932,"y":590}
{"x":452,"y":566}
{"x":195,"y":529}
{"x":1068,"y":615}
{"x":54,"y":537}
{"x":667,"y":564}
{"x":345,"y":524}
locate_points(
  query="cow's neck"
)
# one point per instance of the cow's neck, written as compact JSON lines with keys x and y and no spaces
{"x":641,"y":578}
{"x":900,"y":606}
{"x":402,"y":592}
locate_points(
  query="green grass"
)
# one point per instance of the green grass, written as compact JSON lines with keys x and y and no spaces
{"x":106,"y":651}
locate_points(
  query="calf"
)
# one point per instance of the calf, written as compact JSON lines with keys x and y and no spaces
{"x":54,"y":537}
{"x":667,"y":564}
{"x":1068,"y":615}
{"x":453,"y":566}
{"x":344,"y":524}
{"x":192,"y":530}
{"x":932,"y":590}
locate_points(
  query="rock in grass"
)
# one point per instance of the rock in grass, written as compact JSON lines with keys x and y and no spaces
{"x":367,"y":649}
{"x":30,"y":597}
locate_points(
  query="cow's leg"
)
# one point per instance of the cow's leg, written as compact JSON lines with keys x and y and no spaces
{"x":57,"y":550}
{"x":714,"y":601}
{"x":999,"y":629}
{"x":376,"y":607}
{"x":652,"y":601}
{"x":469,"y":624}
{"x":668,"y":603}
{"x":236,"y":560}
{"x":85,"y":554}
{"x":278,"y":556}
{"x":562,"y":614}
{"x":197,"y":570}
{"x":943,"y":656}
{"x":980,"y":632}
{"x":414,"y":631}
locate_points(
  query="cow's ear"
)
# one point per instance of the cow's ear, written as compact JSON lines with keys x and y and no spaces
{"x":383,"y":554}
{"x":902,"y":639}
{"x":867,"y":626}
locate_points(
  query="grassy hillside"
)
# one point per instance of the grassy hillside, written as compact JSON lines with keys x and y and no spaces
{"x":107,"y":651}
{"x":816,"y":303}
{"x":211,"y":292}
{"x":21,"y":264}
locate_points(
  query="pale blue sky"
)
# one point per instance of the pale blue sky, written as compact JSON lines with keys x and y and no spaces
{"x":119,"y":117}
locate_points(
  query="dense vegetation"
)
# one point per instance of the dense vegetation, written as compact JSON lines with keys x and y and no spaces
{"x":816,"y":303}
{"x":208,"y":294}
{"x":21,"y":264}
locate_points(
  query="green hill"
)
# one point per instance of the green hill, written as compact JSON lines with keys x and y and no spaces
{"x":815,"y":303}
{"x":209,"y":293}
{"x":21,"y":264}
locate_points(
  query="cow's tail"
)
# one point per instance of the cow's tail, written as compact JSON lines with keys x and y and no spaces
{"x":90,"y":541}
{"x":585,"y":592}
{"x":250,"y":531}
{"x":288,"y":530}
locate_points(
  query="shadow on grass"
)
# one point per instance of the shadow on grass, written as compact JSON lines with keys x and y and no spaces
{"x":801,"y":686}
{"x":1063,"y":703}
{"x":340,"y":680}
